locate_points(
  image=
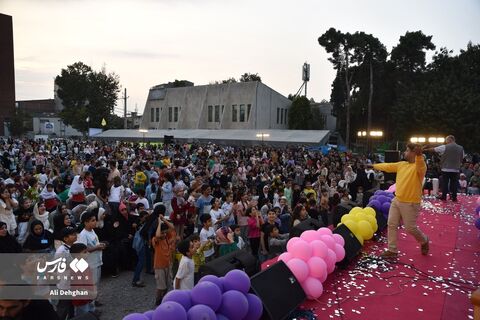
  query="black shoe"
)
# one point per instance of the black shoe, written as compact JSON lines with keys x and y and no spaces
{"x":150,"y":272}
{"x":138,"y":284}
{"x":115,"y":275}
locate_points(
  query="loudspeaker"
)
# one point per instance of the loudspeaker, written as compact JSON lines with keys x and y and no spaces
{"x":309,"y":224}
{"x":167,"y":139}
{"x":352,"y":245}
{"x":391,"y":156}
{"x":338,"y":213}
{"x":279,"y":290}
{"x":239,"y":259}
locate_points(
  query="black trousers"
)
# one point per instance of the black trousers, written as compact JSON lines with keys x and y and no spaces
{"x":449,"y":179}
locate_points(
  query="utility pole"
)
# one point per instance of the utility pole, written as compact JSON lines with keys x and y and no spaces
{"x":125,"y":97}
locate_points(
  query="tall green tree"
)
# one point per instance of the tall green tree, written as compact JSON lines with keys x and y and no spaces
{"x":341,"y":46}
{"x":88,"y":96}
{"x":301,"y":116}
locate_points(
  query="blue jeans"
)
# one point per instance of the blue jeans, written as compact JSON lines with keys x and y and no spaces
{"x":140,"y":264}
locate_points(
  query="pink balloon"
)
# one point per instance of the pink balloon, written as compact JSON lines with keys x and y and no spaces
{"x":324,"y":231}
{"x":301,"y":250}
{"x":310,"y":235}
{"x":392,"y":188}
{"x":330,"y":260}
{"x":299,"y":269}
{"x":329,"y":241}
{"x":318,"y":267}
{"x":285,"y":257}
{"x":339,"y":239}
{"x":339,"y":252}
{"x":313,"y":288}
{"x":319,"y":248}
{"x":291,"y":242}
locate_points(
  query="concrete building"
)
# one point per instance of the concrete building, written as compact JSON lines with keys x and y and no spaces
{"x":52,"y":125}
{"x":7,"y":73}
{"x":326,"y":110}
{"x":241,"y":105}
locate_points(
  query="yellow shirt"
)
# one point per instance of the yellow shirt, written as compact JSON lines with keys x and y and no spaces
{"x":409,"y":181}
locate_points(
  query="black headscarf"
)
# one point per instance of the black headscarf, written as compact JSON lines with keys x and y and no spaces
{"x":42,"y":243}
{"x":9,"y":244}
{"x":58,"y":226}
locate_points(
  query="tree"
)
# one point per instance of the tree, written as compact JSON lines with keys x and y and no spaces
{"x":86,"y":94}
{"x":301,"y":116}
{"x":247,"y":77}
{"x":409,"y":54}
{"x":341,"y":46}
{"x":19,"y":123}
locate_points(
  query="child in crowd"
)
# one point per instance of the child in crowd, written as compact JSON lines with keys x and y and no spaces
{"x":83,"y":306}
{"x":184,"y":280}
{"x":255,"y":221}
{"x":198,"y":254}
{"x":217,"y":214}
{"x":24,"y":214}
{"x":271,"y":220}
{"x":225,"y":241}
{"x":237,"y":237}
{"x":227,"y":208}
{"x":359,"y":199}
{"x":207,"y":233}
{"x":324,"y":207}
{"x":164,"y":246}
{"x":276,"y":242}
{"x":49,"y":197}
{"x":94,"y":247}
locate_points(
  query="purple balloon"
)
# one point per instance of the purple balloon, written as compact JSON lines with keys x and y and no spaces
{"x":222,"y":317}
{"x":213,"y":279}
{"x":477,"y":210}
{"x":390,"y":195}
{"x":378,"y":192}
{"x":149,"y":314}
{"x":234,"y":305}
{"x":383,"y":199}
{"x":255,"y":307}
{"x":375,"y":204}
{"x":385,"y":207}
{"x":477,"y":223}
{"x":180,"y":296}
{"x":135,"y":316}
{"x":201,"y":312}
{"x":207,"y":293}
{"x":236,"y":280}
{"x":170,"y":310}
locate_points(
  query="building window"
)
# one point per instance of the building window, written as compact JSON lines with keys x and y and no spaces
{"x":217,"y":113}
{"x":223,"y":107}
{"x":175,"y":114}
{"x":234,"y":113}
{"x":286,"y":112}
{"x":249,"y":108}
{"x":210,"y":113}
{"x":152,"y":115}
{"x":242,"y":113}
{"x":278,"y":114}
{"x":157,"y":118}
{"x":281,"y":116}
{"x":170,"y":115}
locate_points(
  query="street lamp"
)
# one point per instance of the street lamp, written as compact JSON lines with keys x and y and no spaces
{"x":143,"y":131}
{"x":416,"y":139}
{"x":376,"y":134}
{"x":263,"y":135}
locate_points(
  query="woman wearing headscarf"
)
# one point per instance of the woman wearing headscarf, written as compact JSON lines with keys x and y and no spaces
{"x":49,"y":196}
{"x":8,"y":244}
{"x":24,"y":213}
{"x":39,"y":240}
{"x":40,"y":213}
{"x":77,"y":192}
{"x":6,"y":210}
{"x":60,"y":221}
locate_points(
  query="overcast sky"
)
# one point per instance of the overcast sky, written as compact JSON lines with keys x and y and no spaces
{"x":149,"y":42}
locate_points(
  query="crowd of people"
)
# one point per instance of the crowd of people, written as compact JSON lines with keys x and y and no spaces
{"x":139,"y":206}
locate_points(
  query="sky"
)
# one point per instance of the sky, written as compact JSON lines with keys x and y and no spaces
{"x":149,"y":42}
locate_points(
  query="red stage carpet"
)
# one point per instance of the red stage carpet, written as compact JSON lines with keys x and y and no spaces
{"x":430,"y":287}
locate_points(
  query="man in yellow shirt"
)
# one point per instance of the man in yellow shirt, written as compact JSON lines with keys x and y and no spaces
{"x":408,"y":195}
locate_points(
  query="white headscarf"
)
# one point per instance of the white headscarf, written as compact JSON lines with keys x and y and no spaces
{"x":76,"y":187}
{"x":42,"y":217}
{"x":45,"y":194}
